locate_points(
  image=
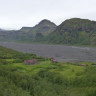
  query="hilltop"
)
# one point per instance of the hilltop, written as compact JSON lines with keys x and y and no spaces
{"x":75,"y":31}
{"x":43,"y":28}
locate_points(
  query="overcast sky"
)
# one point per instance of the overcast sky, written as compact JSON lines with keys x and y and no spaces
{"x":15,"y":14}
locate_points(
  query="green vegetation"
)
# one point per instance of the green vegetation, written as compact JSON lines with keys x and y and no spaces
{"x":29,"y":34}
{"x":45,"y":78}
{"x":74,"y":31}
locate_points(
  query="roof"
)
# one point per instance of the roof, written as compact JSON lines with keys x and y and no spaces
{"x":30,"y":61}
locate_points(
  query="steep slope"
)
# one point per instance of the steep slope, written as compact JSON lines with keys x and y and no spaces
{"x":35,"y":33}
{"x":25,"y":29}
{"x":6,"y":35}
{"x":29,"y":34}
{"x":75,"y":31}
{"x":45,"y":27}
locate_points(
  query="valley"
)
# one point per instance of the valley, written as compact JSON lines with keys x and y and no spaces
{"x":63,"y":79}
{"x":48,"y":48}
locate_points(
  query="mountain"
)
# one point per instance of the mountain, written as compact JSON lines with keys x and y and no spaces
{"x":26,"y":29}
{"x":1,"y":29}
{"x":29,"y":34}
{"x":74,"y":31}
{"x":45,"y":27}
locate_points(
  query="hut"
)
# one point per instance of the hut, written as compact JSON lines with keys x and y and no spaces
{"x":53,"y":60}
{"x":83,"y":64}
{"x":30,"y":62}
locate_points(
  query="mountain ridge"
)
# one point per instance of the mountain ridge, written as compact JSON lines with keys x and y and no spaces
{"x":74,"y":31}
{"x":41,"y":29}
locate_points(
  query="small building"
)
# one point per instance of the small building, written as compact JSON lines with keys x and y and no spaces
{"x":83,"y":64}
{"x":30,"y":62}
{"x":53,"y":60}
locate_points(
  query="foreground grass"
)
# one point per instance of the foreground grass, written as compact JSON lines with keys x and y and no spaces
{"x":55,"y":74}
{"x":44,"y":78}
{"x":66,"y":69}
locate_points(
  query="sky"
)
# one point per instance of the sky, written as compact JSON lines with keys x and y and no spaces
{"x":15,"y":14}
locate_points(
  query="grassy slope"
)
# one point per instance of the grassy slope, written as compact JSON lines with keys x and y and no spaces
{"x":71,"y":71}
{"x":67,"y":70}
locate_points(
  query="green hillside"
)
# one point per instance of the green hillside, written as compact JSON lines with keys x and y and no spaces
{"x":26,"y":29}
{"x":74,"y":31}
{"x":29,"y":34}
{"x":45,"y":27}
{"x":44,"y":78}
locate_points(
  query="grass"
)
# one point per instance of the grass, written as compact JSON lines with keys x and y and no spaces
{"x":65,"y":69}
{"x":79,"y":79}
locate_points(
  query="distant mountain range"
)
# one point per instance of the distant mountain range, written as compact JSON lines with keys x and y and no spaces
{"x":73,"y":31}
{"x":29,"y":34}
